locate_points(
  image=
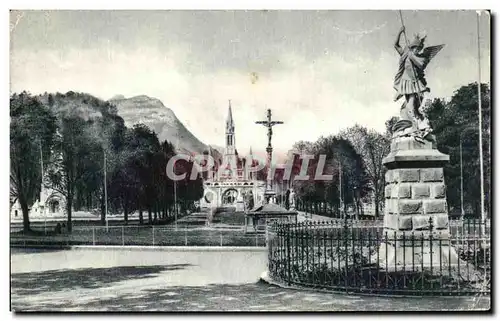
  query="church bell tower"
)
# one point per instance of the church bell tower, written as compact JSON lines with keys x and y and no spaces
{"x":230,"y":144}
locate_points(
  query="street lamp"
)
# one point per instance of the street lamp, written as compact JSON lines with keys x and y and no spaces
{"x":356,"y":202}
{"x":341,"y":201}
{"x":175,"y":181}
{"x":42,"y":201}
{"x":105,"y":190}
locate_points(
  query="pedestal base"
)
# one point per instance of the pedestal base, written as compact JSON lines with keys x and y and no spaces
{"x":394,"y":257}
{"x":416,"y":213}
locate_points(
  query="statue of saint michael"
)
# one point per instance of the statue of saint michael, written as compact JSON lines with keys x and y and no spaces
{"x":411,"y":84}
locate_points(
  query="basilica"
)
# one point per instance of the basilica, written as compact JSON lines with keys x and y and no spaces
{"x":233,"y":186}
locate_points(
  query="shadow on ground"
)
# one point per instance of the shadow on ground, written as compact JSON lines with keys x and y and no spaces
{"x":33,"y":283}
{"x":250,"y":297}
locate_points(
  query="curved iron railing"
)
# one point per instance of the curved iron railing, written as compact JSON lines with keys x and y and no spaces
{"x":354,"y":259}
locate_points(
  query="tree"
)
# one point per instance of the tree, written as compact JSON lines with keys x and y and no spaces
{"x":167,"y":192}
{"x":388,"y":125}
{"x":69,"y":172}
{"x":373,"y":147}
{"x":109,"y":134}
{"x":144,"y":152}
{"x":89,"y":128}
{"x":457,"y":120}
{"x":188,"y":190}
{"x":32,"y":130}
{"x":341,"y":157}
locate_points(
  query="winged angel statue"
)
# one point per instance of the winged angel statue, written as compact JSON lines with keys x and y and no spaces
{"x":410,"y":83}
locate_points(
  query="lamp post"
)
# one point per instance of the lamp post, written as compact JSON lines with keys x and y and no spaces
{"x":42,"y":200}
{"x":356,"y":208}
{"x":105,"y":191}
{"x":175,"y":182}
{"x":462,"y":212}
{"x":483,"y":213}
{"x":341,"y":201}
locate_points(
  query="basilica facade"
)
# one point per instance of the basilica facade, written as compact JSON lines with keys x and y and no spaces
{"x":231,"y":184}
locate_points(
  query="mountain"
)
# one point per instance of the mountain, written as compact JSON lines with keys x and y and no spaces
{"x":159,"y":118}
{"x":217,"y":149}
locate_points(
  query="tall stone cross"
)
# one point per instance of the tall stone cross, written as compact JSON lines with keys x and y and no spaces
{"x":269,"y":123}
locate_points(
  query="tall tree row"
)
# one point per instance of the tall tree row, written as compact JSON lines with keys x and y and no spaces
{"x":32,"y":131}
{"x":456,"y":122}
{"x":372,"y":147}
{"x":349,"y":182}
{"x":80,"y":139}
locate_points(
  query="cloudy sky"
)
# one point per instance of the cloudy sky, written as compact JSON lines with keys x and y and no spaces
{"x":319,"y":71}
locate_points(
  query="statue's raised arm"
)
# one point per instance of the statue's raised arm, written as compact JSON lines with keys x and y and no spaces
{"x":411,"y":84}
{"x":398,"y":48}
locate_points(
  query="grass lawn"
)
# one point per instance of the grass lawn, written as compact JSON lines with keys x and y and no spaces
{"x":141,"y":235}
{"x":230,"y":218}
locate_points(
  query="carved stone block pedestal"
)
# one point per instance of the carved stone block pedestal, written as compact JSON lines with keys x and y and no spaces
{"x":416,"y":214}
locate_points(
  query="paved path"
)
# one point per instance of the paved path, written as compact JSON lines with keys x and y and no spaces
{"x":148,"y":280}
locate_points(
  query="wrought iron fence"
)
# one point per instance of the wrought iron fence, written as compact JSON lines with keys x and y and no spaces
{"x":328,"y":209}
{"x":144,"y":236}
{"x":368,"y":260}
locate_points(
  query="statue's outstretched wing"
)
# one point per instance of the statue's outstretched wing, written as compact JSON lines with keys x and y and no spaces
{"x":430,"y":52}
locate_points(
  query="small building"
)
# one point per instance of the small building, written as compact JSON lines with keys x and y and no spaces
{"x":257,"y":219}
{"x":52,"y":204}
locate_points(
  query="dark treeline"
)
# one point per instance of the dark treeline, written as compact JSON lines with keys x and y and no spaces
{"x":72,"y":132}
{"x":75,"y":134}
{"x":354,"y":158}
{"x":357,"y":153}
{"x":456,"y":121}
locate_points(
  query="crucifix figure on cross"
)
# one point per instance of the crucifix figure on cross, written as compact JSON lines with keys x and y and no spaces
{"x":269,"y":193}
{"x":269,"y":124}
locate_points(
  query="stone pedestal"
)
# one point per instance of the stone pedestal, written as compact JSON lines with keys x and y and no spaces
{"x":416,"y":213}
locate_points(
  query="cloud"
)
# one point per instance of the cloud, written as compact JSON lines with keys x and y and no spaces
{"x":314,"y":94}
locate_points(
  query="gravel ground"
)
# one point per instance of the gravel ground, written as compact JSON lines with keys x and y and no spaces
{"x":147,"y":280}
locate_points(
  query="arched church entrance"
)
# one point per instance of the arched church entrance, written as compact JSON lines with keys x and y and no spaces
{"x":229,"y":196}
{"x":209,"y":196}
{"x":54,"y":206}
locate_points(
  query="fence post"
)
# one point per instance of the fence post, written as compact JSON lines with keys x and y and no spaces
{"x":256,"y":239}
{"x":221,"y":238}
{"x":483,"y":233}
{"x":123,"y":236}
{"x":93,"y":235}
{"x":288,"y":263}
{"x":267,"y":236}
{"x":185,"y":236}
{"x":153,"y":235}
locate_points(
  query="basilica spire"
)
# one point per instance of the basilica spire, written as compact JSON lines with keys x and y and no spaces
{"x":229,"y":120}
{"x":230,"y":139}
